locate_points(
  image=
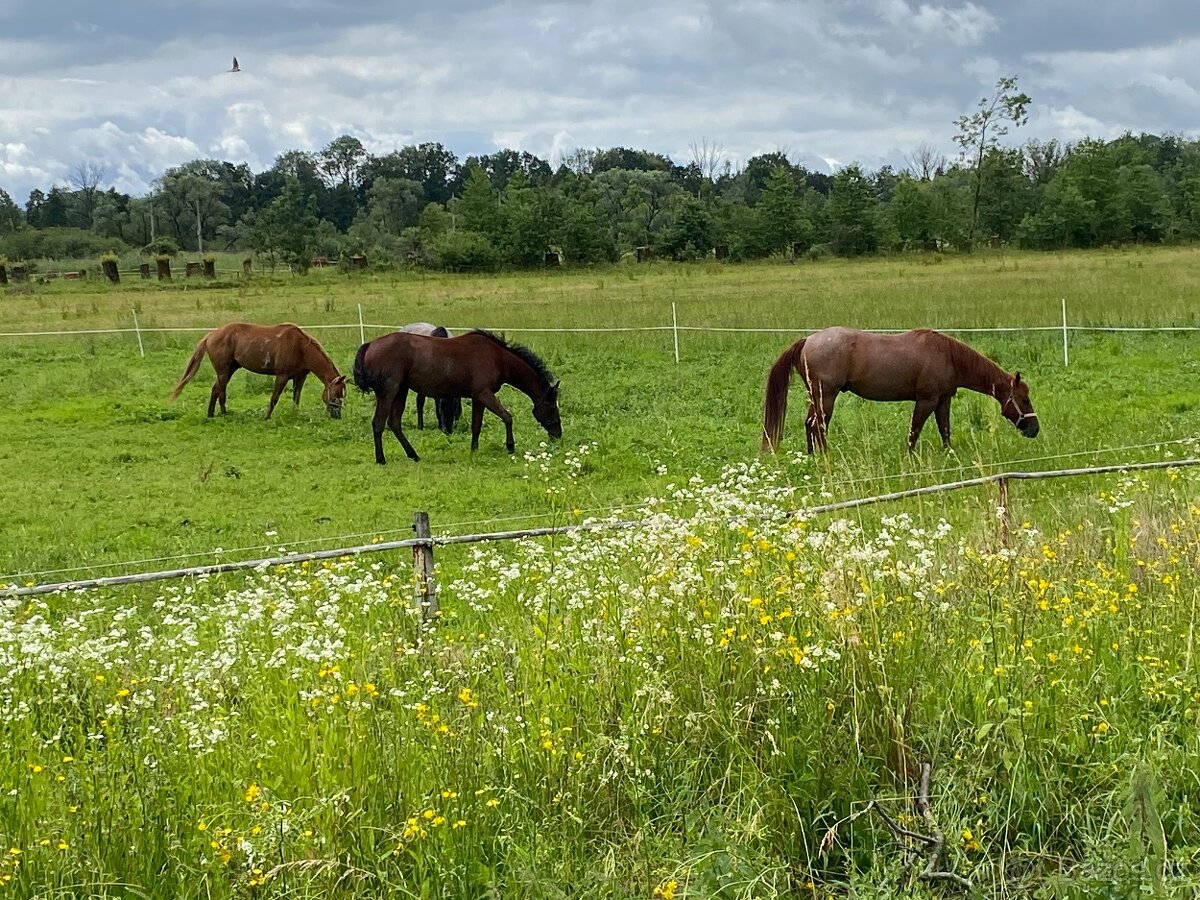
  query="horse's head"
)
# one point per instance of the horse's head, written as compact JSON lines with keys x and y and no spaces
{"x":545,"y":411}
{"x":1016,"y":407}
{"x":334,"y":396}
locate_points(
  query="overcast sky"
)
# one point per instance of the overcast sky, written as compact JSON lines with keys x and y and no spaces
{"x":140,"y":88}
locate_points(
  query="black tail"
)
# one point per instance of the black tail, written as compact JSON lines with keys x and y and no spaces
{"x":364,"y":379}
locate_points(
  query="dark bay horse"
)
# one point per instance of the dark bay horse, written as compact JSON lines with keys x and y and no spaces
{"x":473,"y":365}
{"x":280,"y":350}
{"x":923,"y":366}
{"x":448,"y":409}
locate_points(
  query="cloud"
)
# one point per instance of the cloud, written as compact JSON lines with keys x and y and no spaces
{"x":865,"y":81}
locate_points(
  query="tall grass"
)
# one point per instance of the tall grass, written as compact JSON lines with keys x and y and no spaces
{"x":682,"y":710}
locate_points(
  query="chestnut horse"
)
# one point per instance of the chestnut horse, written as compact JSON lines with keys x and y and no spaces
{"x":280,"y":350}
{"x":449,"y":409}
{"x":924,"y":366}
{"x":473,"y":365}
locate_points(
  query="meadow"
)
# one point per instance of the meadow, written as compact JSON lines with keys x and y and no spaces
{"x":682,"y":710}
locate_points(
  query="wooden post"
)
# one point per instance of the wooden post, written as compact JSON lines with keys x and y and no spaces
{"x":1004,"y":512}
{"x":192,"y":268}
{"x":164,"y":267}
{"x":110,"y":270}
{"x":721,"y":251}
{"x":144,"y":270}
{"x":424,"y":583}
{"x":247,"y":266}
{"x":19,"y":274}
{"x":3,"y":275}
{"x":210,"y":268}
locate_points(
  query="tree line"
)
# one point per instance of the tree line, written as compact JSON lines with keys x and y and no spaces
{"x":421,"y":205}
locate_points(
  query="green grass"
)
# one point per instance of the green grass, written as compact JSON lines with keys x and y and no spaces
{"x":102,"y":470}
{"x":679,"y":710}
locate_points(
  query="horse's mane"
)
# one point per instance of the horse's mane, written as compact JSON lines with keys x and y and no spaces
{"x":967,"y":360}
{"x":523,"y":353}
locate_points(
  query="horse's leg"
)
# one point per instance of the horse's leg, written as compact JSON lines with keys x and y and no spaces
{"x":395,"y":423}
{"x":476,"y":422}
{"x":218,"y":390}
{"x":942,"y":417}
{"x":297,"y":387}
{"x":421,"y":411}
{"x":383,"y":406}
{"x":280,"y":383}
{"x":488,"y":399}
{"x":921,"y":411}
{"x":820,"y":411}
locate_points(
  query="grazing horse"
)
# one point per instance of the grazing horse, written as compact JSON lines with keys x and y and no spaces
{"x":280,"y":350}
{"x":449,"y":409}
{"x":924,"y":366}
{"x":473,"y":365}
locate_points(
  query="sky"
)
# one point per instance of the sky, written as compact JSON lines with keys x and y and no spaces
{"x":137,"y":89}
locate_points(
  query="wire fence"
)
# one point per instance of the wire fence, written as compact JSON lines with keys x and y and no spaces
{"x":674,"y":327}
{"x":425,"y":542}
{"x":615,"y":508}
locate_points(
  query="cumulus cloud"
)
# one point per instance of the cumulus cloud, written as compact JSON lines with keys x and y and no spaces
{"x":827,"y":83}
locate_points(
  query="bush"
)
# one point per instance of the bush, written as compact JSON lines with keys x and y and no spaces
{"x":163,"y":246}
{"x":55,"y":243}
{"x":463,"y":251}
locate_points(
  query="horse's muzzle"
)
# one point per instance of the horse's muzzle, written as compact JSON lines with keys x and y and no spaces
{"x":335,"y":412}
{"x":1029,"y":427}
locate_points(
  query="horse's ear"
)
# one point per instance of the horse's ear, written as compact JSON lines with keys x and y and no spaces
{"x":554,"y":388}
{"x":1016,"y":378}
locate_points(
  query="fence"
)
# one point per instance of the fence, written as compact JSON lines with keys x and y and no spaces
{"x":1065,"y":329}
{"x":424,"y":542}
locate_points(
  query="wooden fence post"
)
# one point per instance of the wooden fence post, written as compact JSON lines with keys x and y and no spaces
{"x":424,"y":582}
{"x":1004,"y":511}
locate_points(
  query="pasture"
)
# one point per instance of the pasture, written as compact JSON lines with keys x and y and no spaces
{"x":683,"y":710}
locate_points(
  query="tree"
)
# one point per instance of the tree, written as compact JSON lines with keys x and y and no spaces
{"x":692,"y":232}
{"x":10,"y":214}
{"x":853,"y":213}
{"x":85,"y":177}
{"x":780,"y":221}
{"x":982,"y":130}
{"x":925,"y":162}
{"x":1043,"y":159}
{"x":288,"y":228}
{"x":911,"y":213}
{"x":478,"y":207}
{"x":501,"y":166}
{"x":341,"y":161}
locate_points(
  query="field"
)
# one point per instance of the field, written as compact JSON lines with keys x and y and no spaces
{"x":681,"y":710}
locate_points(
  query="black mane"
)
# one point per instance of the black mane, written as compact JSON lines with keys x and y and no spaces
{"x":524,"y":353}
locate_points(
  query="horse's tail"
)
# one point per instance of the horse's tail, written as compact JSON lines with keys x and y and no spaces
{"x":193,"y":367}
{"x":364,"y":379}
{"x":775,"y":404}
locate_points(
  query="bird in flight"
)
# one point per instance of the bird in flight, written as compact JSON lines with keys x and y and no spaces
{"x":236,"y":67}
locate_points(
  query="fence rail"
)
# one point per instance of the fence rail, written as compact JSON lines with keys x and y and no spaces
{"x":423,"y":579}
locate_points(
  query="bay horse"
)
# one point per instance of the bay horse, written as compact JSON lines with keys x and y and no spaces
{"x":473,"y":365}
{"x":926,"y":367}
{"x":448,"y":409}
{"x":280,"y":350}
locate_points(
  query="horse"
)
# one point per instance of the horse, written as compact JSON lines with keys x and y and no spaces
{"x":449,"y":409}
{"x":280,"y":350}
{"x":473,"y":365}
{"x":923,"y":366}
